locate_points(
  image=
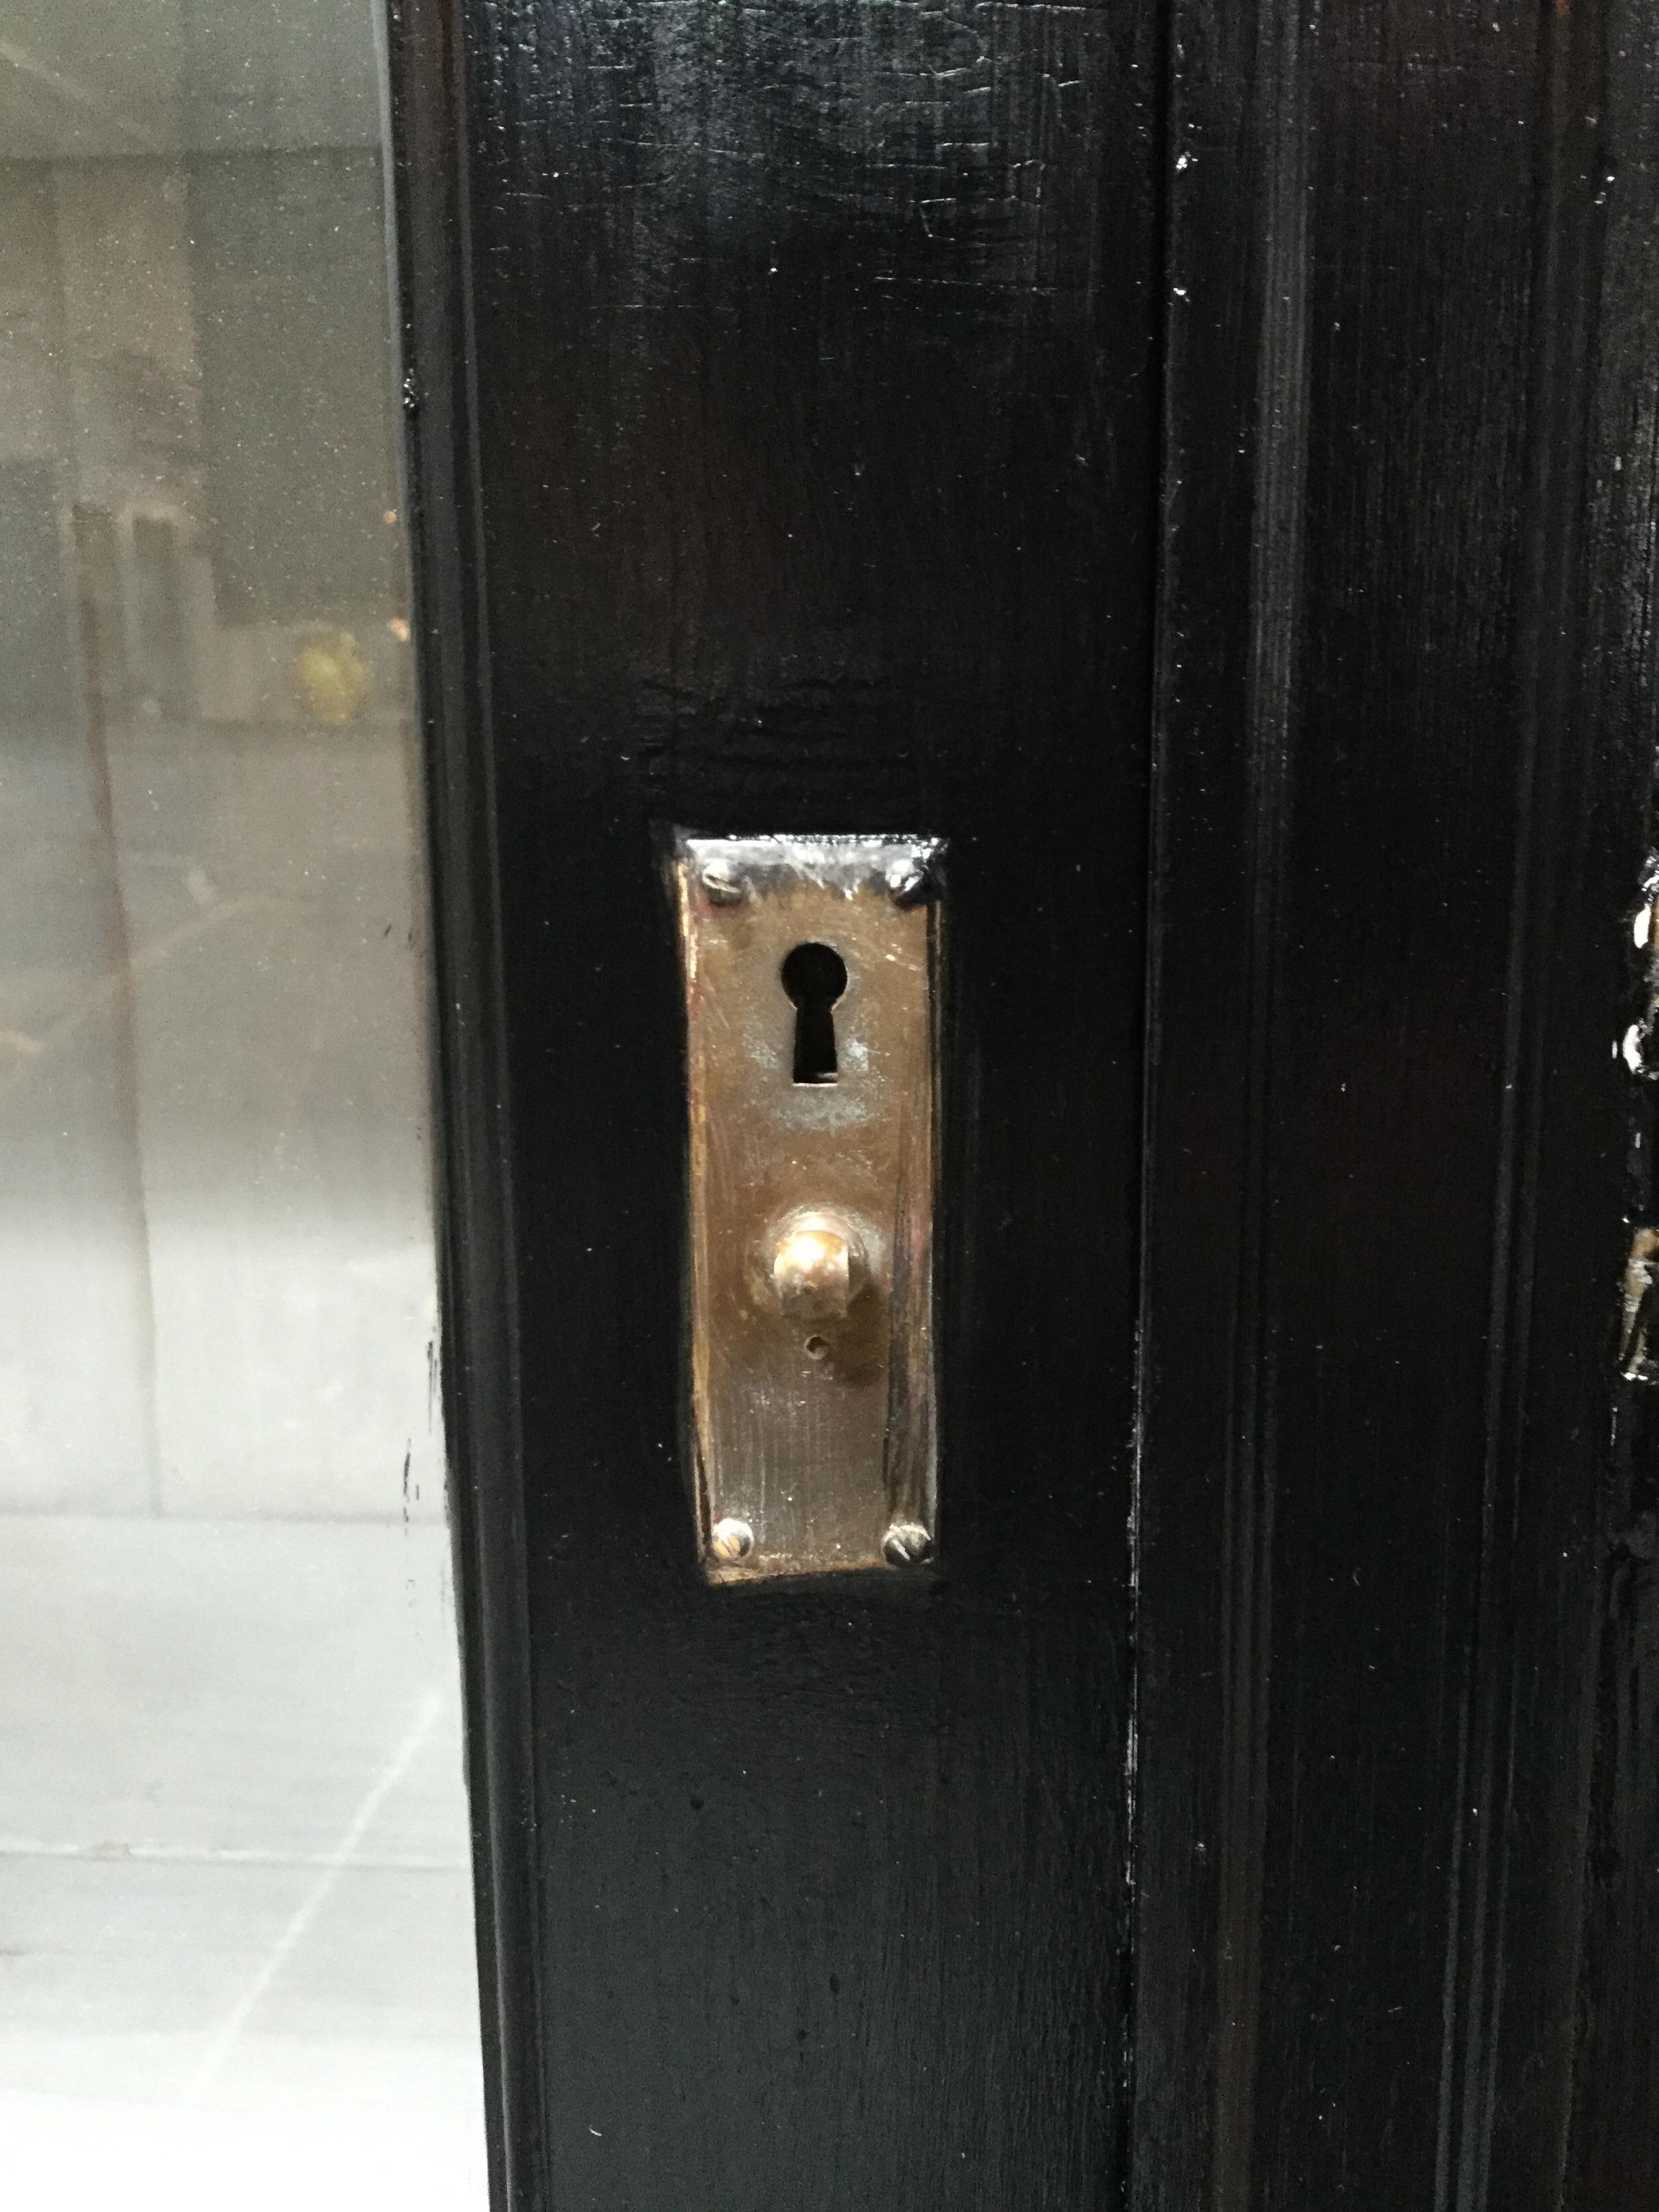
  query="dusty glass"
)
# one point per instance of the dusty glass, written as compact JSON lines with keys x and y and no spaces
{"x":235,"y":1937}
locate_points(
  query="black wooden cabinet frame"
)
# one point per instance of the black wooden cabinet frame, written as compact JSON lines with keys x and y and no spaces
{"x":1201,"y":459}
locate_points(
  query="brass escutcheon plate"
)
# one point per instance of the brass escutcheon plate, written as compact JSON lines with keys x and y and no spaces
{"x":811,"y":968}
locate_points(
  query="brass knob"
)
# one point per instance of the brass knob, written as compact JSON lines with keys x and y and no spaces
{"x":817,"y":1266}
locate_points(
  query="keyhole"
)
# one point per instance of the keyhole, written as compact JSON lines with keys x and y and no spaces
{"x":815,"y":976}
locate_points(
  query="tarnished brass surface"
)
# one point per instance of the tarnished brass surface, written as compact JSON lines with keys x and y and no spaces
{"x":810,"y":1203}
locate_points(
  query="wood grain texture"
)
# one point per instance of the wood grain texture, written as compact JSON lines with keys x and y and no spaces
{"x":473,"y":1155}
{"x":789,"y":390}
{"x":811,"y":350}
{"x":1608,"y":671}
{"x":1403,"y":768}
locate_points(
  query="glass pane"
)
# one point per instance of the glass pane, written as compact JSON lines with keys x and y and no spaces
{"x":235,"y":1928}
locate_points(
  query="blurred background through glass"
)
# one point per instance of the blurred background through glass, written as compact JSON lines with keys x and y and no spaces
{"x":235,"y":1931}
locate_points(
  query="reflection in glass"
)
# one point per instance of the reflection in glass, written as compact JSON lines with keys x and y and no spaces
{"x":235,"y":1943}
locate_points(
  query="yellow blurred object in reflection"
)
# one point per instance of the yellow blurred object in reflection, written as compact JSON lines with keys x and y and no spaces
{"x":332,"y":679}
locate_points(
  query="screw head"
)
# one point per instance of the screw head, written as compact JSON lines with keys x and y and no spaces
{"x":908,"y":881}
{"x":906,"y":1544}
{"x":730,"y":1539}
{"x":721,"y":883}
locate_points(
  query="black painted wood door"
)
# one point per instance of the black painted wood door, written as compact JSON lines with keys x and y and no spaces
{"x":1200,"y":461}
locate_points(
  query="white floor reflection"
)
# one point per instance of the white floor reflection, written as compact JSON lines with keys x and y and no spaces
{"x":235,"y":1939}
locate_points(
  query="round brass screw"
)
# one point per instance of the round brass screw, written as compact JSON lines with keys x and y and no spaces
{"x":906,"y":1544}
{"x":730,"y":1539}
{"x":907,"y":881}
{"x":724,"y":887}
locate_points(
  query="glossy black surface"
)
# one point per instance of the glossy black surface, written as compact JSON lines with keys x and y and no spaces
{"x":811,"y":409}
{"x":1404,"y":757}
{"x":814,"y":449}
